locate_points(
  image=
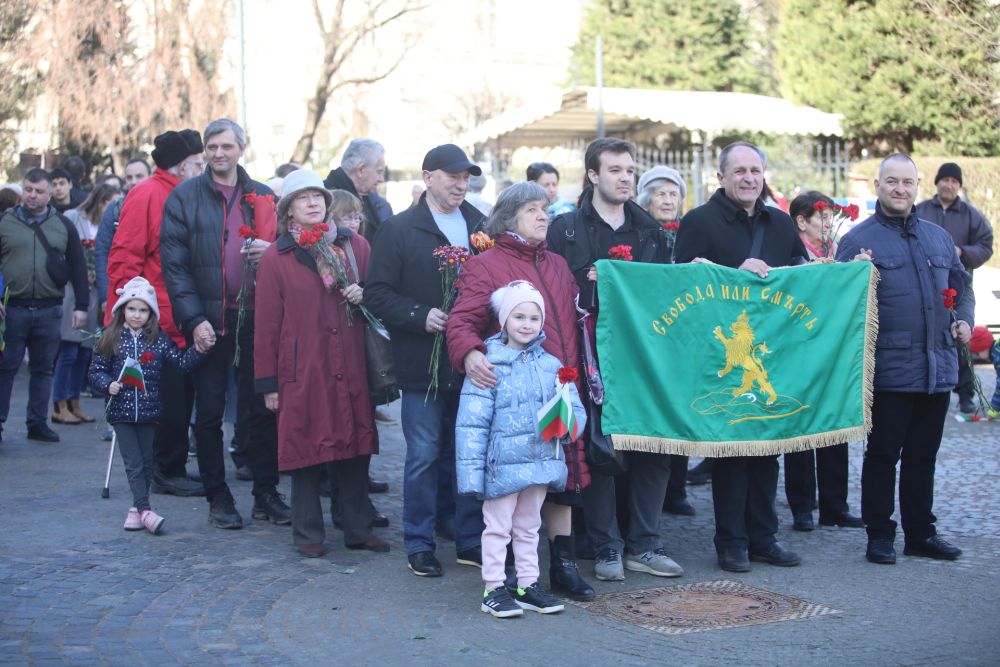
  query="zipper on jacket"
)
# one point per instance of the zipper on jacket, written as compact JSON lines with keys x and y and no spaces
{"x":225,"y":223}
{"x":135,"y":342}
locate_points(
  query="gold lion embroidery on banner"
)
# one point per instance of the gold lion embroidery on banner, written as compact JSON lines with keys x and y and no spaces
{"x":743,"y":403}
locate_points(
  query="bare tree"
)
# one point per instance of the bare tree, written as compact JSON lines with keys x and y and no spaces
{"x":341,"y":39}
{"x":474,"y":107}
{"x":122,"y":72}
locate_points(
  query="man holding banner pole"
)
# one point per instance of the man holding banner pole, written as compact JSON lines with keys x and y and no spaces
{"x":735,"y":229}
{"x":925,"y":304}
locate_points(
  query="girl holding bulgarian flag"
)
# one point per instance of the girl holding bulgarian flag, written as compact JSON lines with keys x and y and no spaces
{"x":127,"y":363}
{"x":507,"y":447}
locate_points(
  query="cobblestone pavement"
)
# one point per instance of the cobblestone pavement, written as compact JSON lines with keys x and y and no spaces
{"x":76,"y":589}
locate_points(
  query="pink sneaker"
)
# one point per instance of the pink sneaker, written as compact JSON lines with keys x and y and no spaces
{"x":132,"y":521}
{"x":152,"y":521}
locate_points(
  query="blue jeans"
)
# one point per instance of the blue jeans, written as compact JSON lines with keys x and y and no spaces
{"x":429,"y":431}
{"x":71,"y":371}
{"x":37,"y":329}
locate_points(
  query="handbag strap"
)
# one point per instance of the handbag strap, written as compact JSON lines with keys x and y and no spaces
{"x":350,"y":258}
{"x":37,"y":228}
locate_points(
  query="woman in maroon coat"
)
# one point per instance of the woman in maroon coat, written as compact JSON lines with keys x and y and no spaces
{"x":310,"y":364}
{"x":518,"y":225}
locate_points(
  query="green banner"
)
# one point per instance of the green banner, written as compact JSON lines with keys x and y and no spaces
{"x":703,"y":360}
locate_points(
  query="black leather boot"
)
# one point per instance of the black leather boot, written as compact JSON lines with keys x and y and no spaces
{"x":564,"y":577}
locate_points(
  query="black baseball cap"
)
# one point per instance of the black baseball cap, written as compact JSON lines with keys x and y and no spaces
{"x":449,"y":158}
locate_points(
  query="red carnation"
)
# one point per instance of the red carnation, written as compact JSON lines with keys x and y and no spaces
{"x":145,"y":357}
{"x":949,"y":298}
{"x":247,"y":232}
{"x":820,"y":206}
{"x":568,"y":374}
{"x":622,"y":252}
{"x":852,"y":211}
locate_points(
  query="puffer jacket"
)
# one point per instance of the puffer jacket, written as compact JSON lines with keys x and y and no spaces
{"x":130,"y":404}
{"x":915,"y":351}
{"x":498,"y":448}
{"x":191,"y":244}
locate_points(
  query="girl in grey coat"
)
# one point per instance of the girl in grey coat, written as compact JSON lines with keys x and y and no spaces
{"x":500,"y":455}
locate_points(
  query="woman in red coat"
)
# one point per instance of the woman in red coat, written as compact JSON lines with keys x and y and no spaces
{"x":310,"y":364}
{"x":518,"y":225}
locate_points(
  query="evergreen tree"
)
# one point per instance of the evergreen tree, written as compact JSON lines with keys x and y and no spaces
{"x":906,"y":74}
{"x":674,"y":44}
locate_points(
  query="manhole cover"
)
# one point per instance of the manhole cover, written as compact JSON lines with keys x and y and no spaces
{"x":710,"y":605}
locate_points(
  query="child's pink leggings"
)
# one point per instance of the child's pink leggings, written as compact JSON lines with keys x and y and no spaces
{"x":515,"y":517}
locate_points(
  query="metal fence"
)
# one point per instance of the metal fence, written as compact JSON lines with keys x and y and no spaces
{"x":791,"y":165}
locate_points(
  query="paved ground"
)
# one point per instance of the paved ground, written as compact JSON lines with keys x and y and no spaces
{"x":76,"y":589}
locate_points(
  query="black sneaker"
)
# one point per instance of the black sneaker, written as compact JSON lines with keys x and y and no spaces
{"x":42,"y":433}
{"x":222,"y":513}
{"x":177,"y":486}
{"x":271,"y":506}
{"x":424,"y":564}
{"x":499,"y":603}
{"x":535,"y":598}
{"x":473,"y":557}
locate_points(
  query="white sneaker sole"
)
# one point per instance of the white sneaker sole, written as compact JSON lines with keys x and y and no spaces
{"x":501,"y":614}
{"x":554,"y":609}
{"x":612,"y":577}
{"x":634,"y":566}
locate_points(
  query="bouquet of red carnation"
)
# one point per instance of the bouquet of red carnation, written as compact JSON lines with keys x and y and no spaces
{"x":265,"y":213}
{"x":965,"y":357}
{"x":839,"y":215}
{"x":249,"y":235}
{"x":622,"y":252}
{"x":330,"y":262}
{"x":450,"y":260}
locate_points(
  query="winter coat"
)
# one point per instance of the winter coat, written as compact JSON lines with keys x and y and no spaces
{"x":916,"y":260}
{"x":374,"y":213}
{"x":191,"y":245}
{"x":132,"y":405}
{"x":105,"y":236}
{"x":967,"y":226}
{"x":22,"y":259}
{"x":472,"y":321}
{"x":135,"y":246}
{"x":574,"y":236}
{"x":498,"y":448}
{"x":721,"y":231}
{"x":305,"y":350}
{"x":67,"y":333}
{"x":404,"y":284}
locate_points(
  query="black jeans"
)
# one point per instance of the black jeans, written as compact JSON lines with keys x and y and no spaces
{"x":211,"y":381}
{"x":647,"y":476}
{"x":676,"y":487}
{"x":965,"y":388}
{"x":908,"y":427}
{"x":743,"y":490}
{"x":825,"y":467}
{"x":350,"y":479}
{"x":170,"y":448}
{"x":135,"y":444}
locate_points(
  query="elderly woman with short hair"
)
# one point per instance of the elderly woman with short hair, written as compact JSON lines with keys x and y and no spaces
{"x":518,"y":225}
{"x":309,"y":363}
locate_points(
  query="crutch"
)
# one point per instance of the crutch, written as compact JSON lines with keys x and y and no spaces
{"x":105,"y":492}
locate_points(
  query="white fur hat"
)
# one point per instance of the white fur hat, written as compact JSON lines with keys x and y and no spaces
{"x":510,"y":296}
{"x":137,"y":288}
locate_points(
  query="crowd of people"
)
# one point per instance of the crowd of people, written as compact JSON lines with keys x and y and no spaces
{"x":212,"y":288}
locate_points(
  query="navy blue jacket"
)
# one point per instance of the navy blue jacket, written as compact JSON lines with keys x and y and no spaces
{"x":916,"y":260}
{"x":132,"y":405}
{"x":102,"y":248}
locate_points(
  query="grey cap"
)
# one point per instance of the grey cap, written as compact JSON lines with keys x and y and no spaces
{"x":663,"y":173}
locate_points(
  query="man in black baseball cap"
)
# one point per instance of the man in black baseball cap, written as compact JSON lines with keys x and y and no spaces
{"x":403,"y":288}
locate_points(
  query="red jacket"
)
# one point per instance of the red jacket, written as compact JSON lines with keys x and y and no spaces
{"x":471,"y":320}
{"x":135,"y":250}
{"x":305,"y":350}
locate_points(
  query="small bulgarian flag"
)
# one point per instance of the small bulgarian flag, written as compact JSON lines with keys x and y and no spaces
{"x":132,"y":375}
{"x":556,"y":418}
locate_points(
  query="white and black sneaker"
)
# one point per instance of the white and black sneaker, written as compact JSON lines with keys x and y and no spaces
{"x":499,"y":603}
{"x":535,"y":598}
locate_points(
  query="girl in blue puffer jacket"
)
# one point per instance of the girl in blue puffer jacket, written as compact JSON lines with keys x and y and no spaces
{"x":134,"y":334}
{"x":499,"y":452}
